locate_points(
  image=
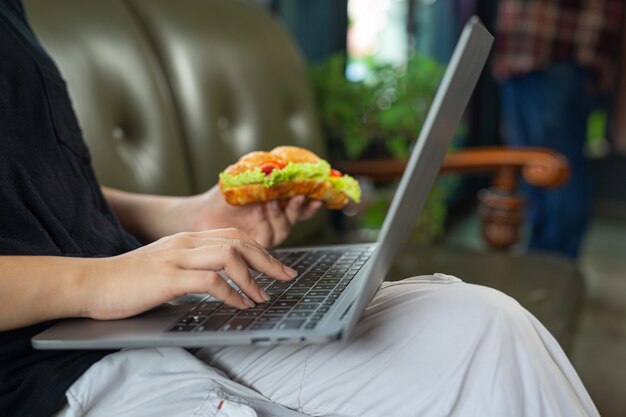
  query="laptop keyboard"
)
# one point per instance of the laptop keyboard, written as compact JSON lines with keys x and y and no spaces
{"x":298,"y":304}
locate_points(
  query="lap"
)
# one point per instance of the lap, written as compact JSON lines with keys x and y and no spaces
{"x":428,"y":346}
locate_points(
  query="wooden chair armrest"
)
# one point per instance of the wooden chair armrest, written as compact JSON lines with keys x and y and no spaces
{"x":501,"y":208}
{"x":539,"y":167}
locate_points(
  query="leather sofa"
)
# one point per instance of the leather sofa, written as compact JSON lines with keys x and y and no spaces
{"x":170,"y":92}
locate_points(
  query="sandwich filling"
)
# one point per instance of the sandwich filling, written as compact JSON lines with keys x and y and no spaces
{"x":268,"y":175}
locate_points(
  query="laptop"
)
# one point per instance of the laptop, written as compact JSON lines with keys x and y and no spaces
{"x":335,"y":283}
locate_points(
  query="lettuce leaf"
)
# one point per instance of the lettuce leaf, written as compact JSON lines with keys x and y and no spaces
{"x":255,"y":176}
{"x":304,"y":170}
{"x":348,"y":185}
{"x":319,"y":171}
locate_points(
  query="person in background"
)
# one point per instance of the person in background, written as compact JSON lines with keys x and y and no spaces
{"x":555,"y":58}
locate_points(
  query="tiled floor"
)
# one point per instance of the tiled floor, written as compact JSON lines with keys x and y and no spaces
{"x":599,"y":351}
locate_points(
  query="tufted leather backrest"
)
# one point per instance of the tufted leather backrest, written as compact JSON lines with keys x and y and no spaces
{"x":168,"y":93}
{"x":238,"y":82}
{"x":119,"y":93}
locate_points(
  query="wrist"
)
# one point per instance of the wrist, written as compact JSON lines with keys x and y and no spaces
{"x":78,"y":288}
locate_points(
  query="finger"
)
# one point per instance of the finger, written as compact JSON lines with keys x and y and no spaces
{"x":237,"y":269}
{"x":225,"y":256}
{"x":212,"y":283}
{"x":294,"y":209}
{"x":190,"y":260}
{"x":278,"y":221}
{"x":229,"y":233}
{"x":310,"y":209}
{"x":267,"y":264}
{"x":263,"y":232}
{"x":235,"y":257}
{"x":223,"y":236}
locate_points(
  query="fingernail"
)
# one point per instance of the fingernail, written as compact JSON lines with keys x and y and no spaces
{"x":274,"y":205}
{"x":292,"y":273}
{"x":248,"y":302}
{"x":300,"y":200}
{"x":265,"y":296}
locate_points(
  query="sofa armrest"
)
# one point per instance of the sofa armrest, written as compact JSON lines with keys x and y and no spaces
{"x":501,"y":207}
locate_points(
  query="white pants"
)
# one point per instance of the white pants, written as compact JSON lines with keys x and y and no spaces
{"x":426,"y":346}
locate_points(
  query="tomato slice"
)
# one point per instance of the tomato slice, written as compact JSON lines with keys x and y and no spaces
{"x":269,"y":166}
{"x":335,"y":173}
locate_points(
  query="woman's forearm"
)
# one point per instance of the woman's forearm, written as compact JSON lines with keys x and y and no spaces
{"x":35,"y":289}
{"x":140,"y":213}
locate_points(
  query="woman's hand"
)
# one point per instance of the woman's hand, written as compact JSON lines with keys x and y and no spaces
{"x":153,"y":217}
{"x":177,"y":265}
{"x":34,"y":289}
{"x":267,"y":223}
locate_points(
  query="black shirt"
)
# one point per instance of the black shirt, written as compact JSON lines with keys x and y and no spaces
{"x":50,"y":204}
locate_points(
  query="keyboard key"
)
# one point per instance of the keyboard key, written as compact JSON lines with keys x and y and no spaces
{"x":183,"y":328}
{"x":277,"y":310}
{"x":316,"y":300}
{"x":277,"y":285}
{"x":300,"y":314}
{"x":269,"y":319}
{"x":204,"y":312}
{"x":305,"y":307}
{"x":289,"y":297}
{"x":250,"y":313}
{"x":323,"y":287}
{"x":238,"y":324}
{"x":297,"y":291}
{"x":315,"y":293}
{"x":284,"y":303}
{"x":274,"y":292}
{"x":262,"y":326}
{"x":214,"y":322}
{"x":209,"y":305}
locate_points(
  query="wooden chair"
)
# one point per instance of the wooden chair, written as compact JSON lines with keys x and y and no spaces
{"x":549,"y":286}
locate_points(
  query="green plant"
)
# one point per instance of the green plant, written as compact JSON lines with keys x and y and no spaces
{"x":430,"y":224}
{"x":380,"y":117}
{"x":383,"y":112}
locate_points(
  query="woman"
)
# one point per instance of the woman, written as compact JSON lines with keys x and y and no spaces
{"x":428,"y":346}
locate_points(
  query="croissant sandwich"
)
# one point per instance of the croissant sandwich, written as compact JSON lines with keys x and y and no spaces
{"x":284,"y":172}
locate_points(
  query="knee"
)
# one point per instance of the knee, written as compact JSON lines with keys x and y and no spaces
{"x":447,"y":296}
{"x":470,"y":309}
{"x":482,"y":304}
{"x":450,"y":310}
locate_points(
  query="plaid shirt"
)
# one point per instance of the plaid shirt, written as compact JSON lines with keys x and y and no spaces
{"x":531,"y":34}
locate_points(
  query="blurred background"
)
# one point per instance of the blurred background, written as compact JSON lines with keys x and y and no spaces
{"x":375,"y":65}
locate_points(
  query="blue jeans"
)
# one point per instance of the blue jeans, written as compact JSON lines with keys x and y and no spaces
{"x":550,"y":108}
